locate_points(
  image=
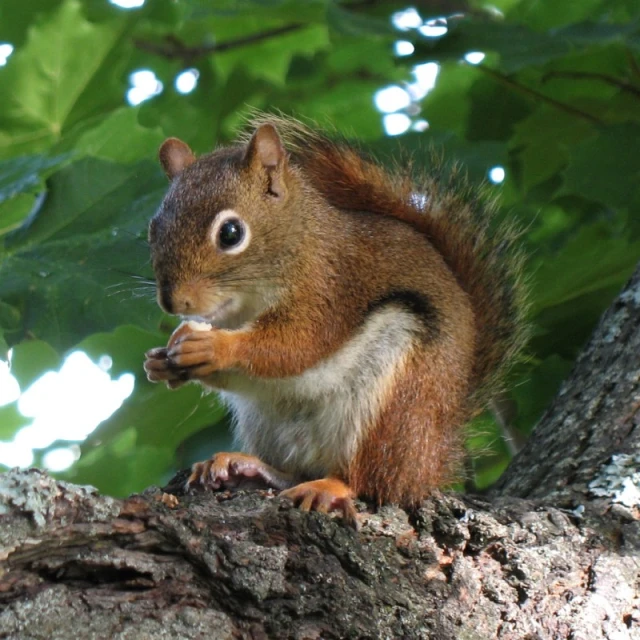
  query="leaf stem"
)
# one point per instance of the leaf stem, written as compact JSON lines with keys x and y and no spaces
{"x":540,"y":96}
{"x":172,"y":48}
{"x":602,"y":77}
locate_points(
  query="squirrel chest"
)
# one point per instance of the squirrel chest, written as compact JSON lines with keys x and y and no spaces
{"x":311,"y":424}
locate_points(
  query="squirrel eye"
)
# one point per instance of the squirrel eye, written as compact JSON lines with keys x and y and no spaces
{"x":231,"y":233}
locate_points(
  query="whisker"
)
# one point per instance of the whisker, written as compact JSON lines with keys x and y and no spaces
{"x":132,"y":285}
{"x":137,"y":288}
{"x":143,"y":280}
{"x":128,"y":274}
{"x":120,"y":291}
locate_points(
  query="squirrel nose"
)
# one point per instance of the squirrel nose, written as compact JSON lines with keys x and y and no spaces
{"x":183,"y":300}
{"x":177,"y":298}
{"x":183,"y":305}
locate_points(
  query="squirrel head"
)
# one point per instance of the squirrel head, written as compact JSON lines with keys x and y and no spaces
{"x":226,"y":230}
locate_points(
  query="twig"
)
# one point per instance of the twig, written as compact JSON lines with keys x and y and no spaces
{"x":602,"y":77}
{"x":540,"y":96}
{"x":172,"y":48}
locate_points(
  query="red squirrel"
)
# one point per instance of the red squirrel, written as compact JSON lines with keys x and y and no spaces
{"x":355,"y":318}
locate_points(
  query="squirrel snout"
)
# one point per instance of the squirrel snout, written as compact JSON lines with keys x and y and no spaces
{"x":177,"y":300}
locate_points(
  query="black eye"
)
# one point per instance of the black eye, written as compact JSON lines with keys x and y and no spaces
{"x":231,"y":233}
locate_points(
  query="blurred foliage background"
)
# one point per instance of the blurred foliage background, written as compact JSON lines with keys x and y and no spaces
{"x":554,"y":103}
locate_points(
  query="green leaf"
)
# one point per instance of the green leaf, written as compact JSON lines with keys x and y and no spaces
{"x":136,"y":466}
{"x":26,"y":174}
{"x":592,"y":260}
{"x":518,"y":46}
{"x":544,"y":140}
{"x":9,"y":316}
{"x":15,"y":20}
{"x":31,"y":358}
{"x":606,"y":167}
{"x":230,"y":14}
{"x":20,"y":180}
{"x":505,"y":105}
{"x":447,"y":106}
{"x":350,"y":23}
{"x":160,"y":416}
{"x":69,"y":271}
{"x":197,"y":118}
{"x":536,"y":389}
{"x":269,"y":59}
{"x":487,"y":450}
{"x":204,"y":443}
{"x":156,"y":421}
{"x":14,"y":211}
{"x":357,"y":59}
{"x":600,"y":34}
{"x":349,"y":104}
{"x":546,"y":14}
{"x":49,"y":74}
{"x":564,"y":329}
{"x":11,"y":421}
{"x":125,"y":345}
{"x":94,"y":196}
{"x":120,"y":138}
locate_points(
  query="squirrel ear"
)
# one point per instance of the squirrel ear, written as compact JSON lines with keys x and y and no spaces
{"x":266,"y":153}
{"x":175,"y":156}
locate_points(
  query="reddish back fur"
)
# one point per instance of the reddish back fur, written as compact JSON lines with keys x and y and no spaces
{"x":455,"y":218}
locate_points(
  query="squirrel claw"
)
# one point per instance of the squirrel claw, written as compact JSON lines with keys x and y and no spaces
{"x":234,"y":469}
{"x":158,"y":369}
{"x":157,"y":353}
{"x":323,"y":496}
{"x":207,"y":474}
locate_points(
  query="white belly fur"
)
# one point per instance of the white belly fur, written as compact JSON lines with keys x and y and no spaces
{"x":311,"y":424}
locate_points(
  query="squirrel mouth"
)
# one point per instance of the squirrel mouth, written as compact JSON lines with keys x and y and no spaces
{"x":217,"y":312}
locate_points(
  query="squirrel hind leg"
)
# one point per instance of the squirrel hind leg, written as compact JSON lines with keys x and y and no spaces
{"x":226,"y":470}
{"x":416,"y":443}
{"x":325,"y":495}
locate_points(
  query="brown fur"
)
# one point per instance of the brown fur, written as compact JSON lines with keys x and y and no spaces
{"x":334,"y":236}
{"x":456,"y":219}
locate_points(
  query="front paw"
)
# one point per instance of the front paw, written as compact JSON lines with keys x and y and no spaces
{"x":199,"y":353}
{"x":159,"y":369}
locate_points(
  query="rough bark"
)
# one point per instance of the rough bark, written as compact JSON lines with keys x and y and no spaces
{"x":553,"y":553}
{"x":593,"y":420}
{"x":251,"y":566}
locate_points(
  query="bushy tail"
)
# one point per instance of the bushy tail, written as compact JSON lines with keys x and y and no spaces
{"x":457,"y":219}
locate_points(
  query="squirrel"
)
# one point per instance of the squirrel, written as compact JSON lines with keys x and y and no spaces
{"x":351,"y":317}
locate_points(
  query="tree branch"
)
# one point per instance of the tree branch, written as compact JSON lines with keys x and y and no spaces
{"x":595,"y":415}
{"x":246,"y":565}
{"x":174,"y":49}
{"x":538,"y":96}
